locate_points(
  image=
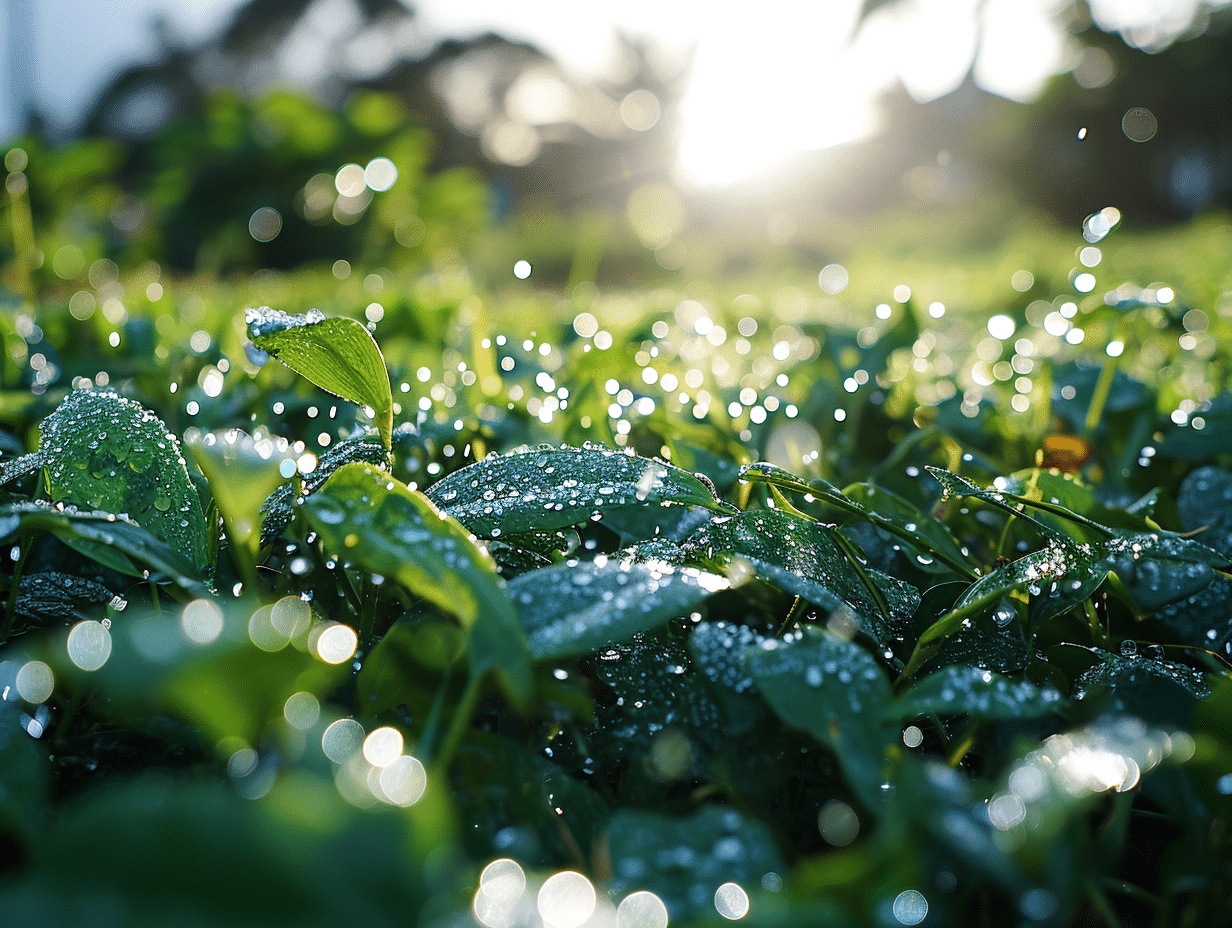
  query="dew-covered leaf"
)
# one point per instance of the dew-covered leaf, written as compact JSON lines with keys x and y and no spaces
{"x":962,"y":689}
{"x":15,"y":468}
{"x":1159,"y":567}
{"x":114,"y":541}
{"x":719,"y":649}
{"x":52,"y":597}
{"x":801,"y":557}
{"x":366,"y":517}
{"x":685,"y":860}
{"x":1052,"y":580}
{"x":278,"y":509}
{"x":105,"y":452}
{"x":932,"y":537}
{"x":1204,"y":504}
{"x":1144,"y":684}
{"x":547,"y":488}
{"x":833,"y":689}
{"x":655,"y":688}
{"x":572,"y":608}
{"x":338,"y":355}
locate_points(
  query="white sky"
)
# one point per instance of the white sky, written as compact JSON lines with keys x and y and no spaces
{"x":769,"y":77}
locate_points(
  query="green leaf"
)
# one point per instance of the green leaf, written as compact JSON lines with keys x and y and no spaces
{"x":51,"y":597}
{"x":1159,"y":691}
{"x":801,"y":557}
{"x":540,"y":489}
{"x":104,"y":452}
{"x":368,"y":518}
{"x":338,"y":355}
{"x":573,"y":608}
{"x":1160,"y":567}
{"x":961,"y":689}
{"x":114,"y":541}
{"x":684,"y":860}
{"x":242,"y":472}
{"x":834,"y":690}
{"x":1052,"y":580}
{"x":278,"y":508}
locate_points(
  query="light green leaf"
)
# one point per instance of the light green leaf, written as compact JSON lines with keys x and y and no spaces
{"x":546,"y":488}
{"x":368,"y":518}
{"x":338,"y":355}
{"x":104,"y":452}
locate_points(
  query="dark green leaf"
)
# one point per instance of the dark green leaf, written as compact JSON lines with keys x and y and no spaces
{"x":366,"y":517}
{"x":834,"y":690}
{"x":801,"y":557}
{"x":338,"y":355}
{"x":572,"y":608}
{"x":278,"y":509}
{"x":965,"y":690}
{"x":547,"y":488}
{"x":685,"y":860}
{"x":114,"y":541}
{"x":104,"y":452}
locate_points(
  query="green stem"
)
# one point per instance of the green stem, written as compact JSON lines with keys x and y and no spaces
{"x":960,"y":749}
{"x":23,"y":543}
{"x":791,"y":618}
{"x":460,"y":723}
{"x":1101,"y":905}
{"x":432,"y":725}
{"x":1099,"y":397}
{"x":367,"y":620}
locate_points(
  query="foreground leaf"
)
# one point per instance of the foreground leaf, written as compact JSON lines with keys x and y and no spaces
{"x":965,"y":690}
{"x":834,"y":690}
{"x":365,"y":516}
{"x":104,"y":452}
{"x":338,"y":355}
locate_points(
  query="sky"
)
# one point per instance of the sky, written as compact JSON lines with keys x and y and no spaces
{"x":767,"y":78}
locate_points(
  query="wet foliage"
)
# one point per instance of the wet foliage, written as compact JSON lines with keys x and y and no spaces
{"x":612,"y":617}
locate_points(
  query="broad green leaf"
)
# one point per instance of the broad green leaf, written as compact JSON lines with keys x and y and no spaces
{"x":114,"y":541}
{"x":833,"y":689}
{"x":1204,"y":504}
{"x":237,"y":690}
{"x":278,"y":508}
{"x":547,"y":488}
{"x":961,"y":689}
{"x":573,"y":608}
{"x":338,"y":355}
{"x":801,"y":557}
{"x":368,"y":518}
{"x":684,"y":860}
{"x":104,"y":452}
{"x":654,"y":688}
{"x":1144,"y":684}
{"x":1160,"y":567}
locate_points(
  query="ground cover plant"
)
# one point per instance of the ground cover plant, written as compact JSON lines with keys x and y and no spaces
{"x":426,"y":599}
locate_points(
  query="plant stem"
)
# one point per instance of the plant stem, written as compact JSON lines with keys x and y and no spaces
{"x":23,"y":544}
{"x":461,"y":721}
